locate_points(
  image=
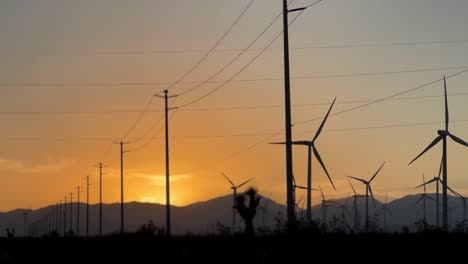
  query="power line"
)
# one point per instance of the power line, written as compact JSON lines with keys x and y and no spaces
{"x":158,"y":52}
{"x":385,"y":98}
{"x":235,"y":58}
{"x":202,"y":59}
{"x":233,"y":81}
{"x":241,"y":70}
{"x":252,"y":107}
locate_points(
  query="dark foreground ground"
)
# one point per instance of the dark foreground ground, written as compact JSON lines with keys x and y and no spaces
{"x":270,"y":249}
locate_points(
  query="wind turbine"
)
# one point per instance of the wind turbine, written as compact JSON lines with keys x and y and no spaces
{"x":463,"y":199}
{"x":443,"y":136}
{"x":325,"y":204}
{"x":385,"y":210}
{"x":344,"y":211}
{"x":311,"y":147}
{"x":355,"y":206}
{"x":423,"y":198}
{"x":368,"y":190}
{"x":234,"y":190}
{"x":437,"y":180}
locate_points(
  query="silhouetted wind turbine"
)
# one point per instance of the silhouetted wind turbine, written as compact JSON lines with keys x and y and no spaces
{"x":325,"y":204}
{"x":436,"y":180}
{"x":311,"y":147}
{"x":234,"y":190}
{"x":368,"y":189}
{"x":355,"y":206}
{"x":385,"y":210}
{"x":443,"y":136}
{"x":344,"y":211}
{"x":463,"y":199}
{"x":423,"y":198}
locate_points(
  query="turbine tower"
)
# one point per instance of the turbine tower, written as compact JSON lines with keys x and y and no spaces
{"x":442,"y":136}
{"x":385,"y":210}
{"x":311,"y":147}
{"x":355,"y":206}
{"x":368,"y":190}
{"x":423,"y":198}
{"x":234,"y":192}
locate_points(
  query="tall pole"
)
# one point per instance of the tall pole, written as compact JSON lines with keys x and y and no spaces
{"x":65,"y":217}
{"x":121,"y":143}
{"x":234,"y":211}
{"x":437,"y":203}
{"x":100,"y":199}
{"x":57,"y":211}
{"x":71,"y":212}
{"x":87,"y":206}
{"x":287,"y":105}
{"x":78,"y":212}
{"x":121,"y":189}
{"x":444,"y":186}
{"x":367,"y":207}
{"x":309,"y":185}
{"x":168,"y":196}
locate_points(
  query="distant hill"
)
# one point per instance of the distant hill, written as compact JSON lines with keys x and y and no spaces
{"x":203,"y":217}
{"x":197,"y":218}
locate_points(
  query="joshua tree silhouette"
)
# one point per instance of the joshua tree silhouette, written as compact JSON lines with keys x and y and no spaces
{"x":248,"y":213}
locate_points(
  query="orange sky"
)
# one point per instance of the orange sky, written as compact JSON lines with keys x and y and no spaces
{"x":76,"y":76}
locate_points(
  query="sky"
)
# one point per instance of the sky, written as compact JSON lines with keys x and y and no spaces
{"x":75,"y":76}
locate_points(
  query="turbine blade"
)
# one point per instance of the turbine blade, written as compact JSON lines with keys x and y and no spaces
{"x":424,"y":184}
{"x":321,"y":191}
{"x":377,"y":172}
{"x":458,"y":140}
{"x":388,"y":210}
{"x":277,"y":143}
{"x":244,"y":183}
{"x":323,"y":122}
{"x":233,"y":185}
{"x":430,"y":198}
{"x":372,"y":195}
{"x":357,"y":179}
{"x":454,"y":192}
{"x":441,"y":164}
{"x":352,"y":187}
{"x":420,"y":198}
{"x":435,"y":141}
{"x":301,"y":187}
{"x":347,"y":199}
{"x":317,"y":155}
{"x":446,"y":106}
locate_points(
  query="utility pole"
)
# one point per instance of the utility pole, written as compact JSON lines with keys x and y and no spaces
{"x":100,"y":166}
{"x":60,"y":217}
{"x":122,"y":152}
{"x":78,"y":212}
{"x":290,"y":198}
{"x":57,"y":209}
{"x":65,"y":217}
{"x":71,"y":213}
{"x":168,"y":196}
{"x":87,"y":206}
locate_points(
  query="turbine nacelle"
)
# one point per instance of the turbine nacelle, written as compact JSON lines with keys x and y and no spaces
{"x":443,"y":132}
